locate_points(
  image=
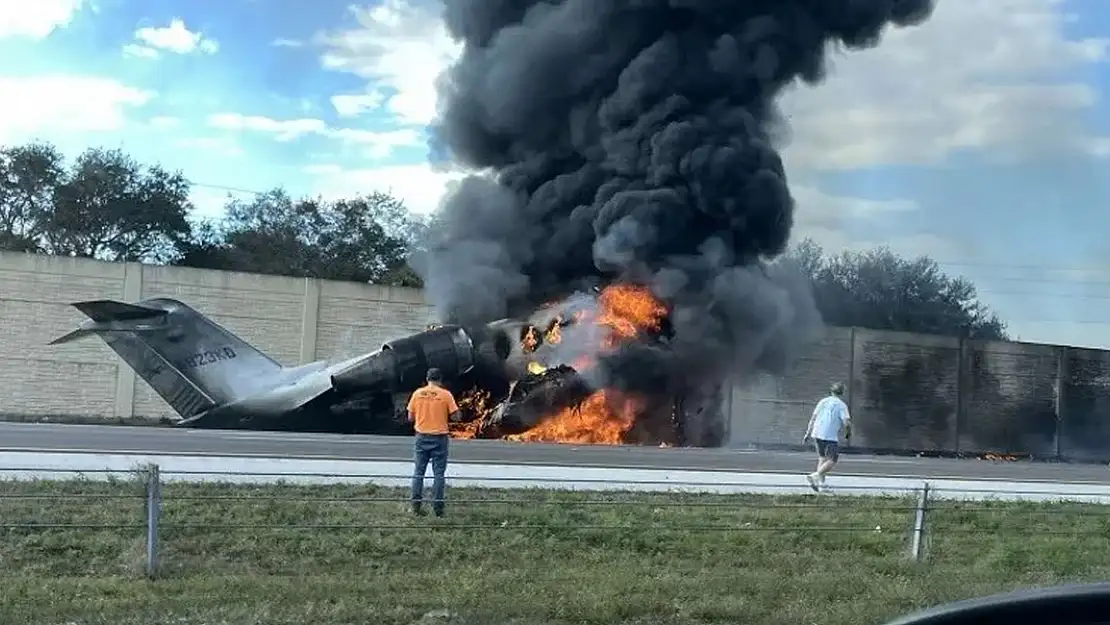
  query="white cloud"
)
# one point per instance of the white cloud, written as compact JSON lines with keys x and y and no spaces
{"x":353,"y":105}
{"x":38,"y":19}
{"x":816,"y":204}
{"x":52,"y":106}
{"x":418,"y":186}
{"x":140,"y":52}
{"x":162,"y":122}
{"x":209,"y":203}
{"x":175,"y":38}
{"x":398,"y":46}
{"x":283,"y":130}
{"x":950,"y":85}
{"x":829,"y":220}
{"x":217,"y":145}
{"x":287,"y":43}
{"x":378,"y":145}
{"x":1099,"y":147}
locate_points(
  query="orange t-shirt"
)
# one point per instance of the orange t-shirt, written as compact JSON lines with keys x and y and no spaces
{"x":430,"y":406}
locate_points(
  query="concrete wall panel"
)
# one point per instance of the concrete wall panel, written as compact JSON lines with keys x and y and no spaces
{"x":906,"y":388}
{"x":355,"y":319}
{"x":771,"y":410}
{"x":38,"y":379}
{"x":1008,"y":395}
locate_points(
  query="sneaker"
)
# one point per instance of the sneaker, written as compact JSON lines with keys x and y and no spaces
{"x":419,"y":511}
{"x":812,"y":479}
{"x":438,"y":512}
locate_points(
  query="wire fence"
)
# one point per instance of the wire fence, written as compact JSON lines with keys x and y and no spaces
{"x":168,"y":521}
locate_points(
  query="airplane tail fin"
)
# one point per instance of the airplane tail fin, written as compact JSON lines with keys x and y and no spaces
{"x":192,"y":362}
{"x":110,"y":316}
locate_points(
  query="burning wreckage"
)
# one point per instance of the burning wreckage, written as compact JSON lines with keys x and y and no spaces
{"x":539,"y":379}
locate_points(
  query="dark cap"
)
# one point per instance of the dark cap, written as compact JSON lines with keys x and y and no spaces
{"x":435,"y":375}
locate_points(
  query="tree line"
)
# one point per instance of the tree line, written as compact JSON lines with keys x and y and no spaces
{"x":106,"y":205}
{"x":880,"y":290}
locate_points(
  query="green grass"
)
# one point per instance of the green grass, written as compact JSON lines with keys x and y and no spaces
{"x":517,"y":557}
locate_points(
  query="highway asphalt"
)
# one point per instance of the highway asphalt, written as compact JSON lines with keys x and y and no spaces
{"x":149,"y":440}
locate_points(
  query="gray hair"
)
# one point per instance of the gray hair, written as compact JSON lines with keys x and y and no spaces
{"x":837,"y":388}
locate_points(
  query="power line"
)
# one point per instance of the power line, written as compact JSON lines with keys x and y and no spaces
{"x":1044,"y":294}
{"x":1016,"y":266}
{"x":220,"y":187}
{"x":952,"y":263}
{"x":1003,"y":319}
{"x":1079,"y":283}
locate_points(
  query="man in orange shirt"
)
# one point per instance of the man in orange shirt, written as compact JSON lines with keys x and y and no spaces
{"x":431,"y":408}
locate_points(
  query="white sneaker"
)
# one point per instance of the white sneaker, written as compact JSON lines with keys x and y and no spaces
{"x":812,"y":479}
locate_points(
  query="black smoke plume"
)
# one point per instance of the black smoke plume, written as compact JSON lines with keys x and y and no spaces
{"x":633,"y":140}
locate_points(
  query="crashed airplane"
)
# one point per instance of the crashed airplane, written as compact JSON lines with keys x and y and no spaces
{"x":214,"y":379}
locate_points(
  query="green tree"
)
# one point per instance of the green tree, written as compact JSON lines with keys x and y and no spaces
{"x":29,"y":176}
{"x":105,"y":206}
{"x":363,"y":239}
{"x":881,"y":290}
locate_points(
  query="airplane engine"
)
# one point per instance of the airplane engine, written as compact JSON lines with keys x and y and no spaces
{"x":401,"y":364}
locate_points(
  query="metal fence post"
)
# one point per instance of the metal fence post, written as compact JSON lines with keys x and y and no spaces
{"x":153,"y":514}
{"x":919,"y":523}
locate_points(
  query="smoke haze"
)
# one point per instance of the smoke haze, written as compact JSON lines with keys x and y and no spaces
{"x":634,"y":140}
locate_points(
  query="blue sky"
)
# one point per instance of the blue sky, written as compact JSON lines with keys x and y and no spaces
{"x":979,"y":138}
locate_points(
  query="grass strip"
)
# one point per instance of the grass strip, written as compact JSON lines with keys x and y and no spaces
{"x":316,"y":555}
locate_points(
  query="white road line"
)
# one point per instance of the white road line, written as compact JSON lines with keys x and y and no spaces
{"x":264,"y":455}
{"x":17,"y":465}
{"x":844,"y":471}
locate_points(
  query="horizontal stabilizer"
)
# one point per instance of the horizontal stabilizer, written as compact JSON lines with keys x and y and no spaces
{"x":107,"y":316}
{"x":111,"y":310}
{"x":72,"y":336}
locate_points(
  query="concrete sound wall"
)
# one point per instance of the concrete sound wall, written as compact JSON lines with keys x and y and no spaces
{"x":906,"y":391}
{"x":912,"y":392}
{"x":293,"y":320}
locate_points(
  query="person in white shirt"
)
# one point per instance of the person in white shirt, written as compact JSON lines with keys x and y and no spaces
{"x":829,"y":415}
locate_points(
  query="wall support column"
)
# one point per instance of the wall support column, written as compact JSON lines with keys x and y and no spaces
{"x":855,"y":368}
{"x":964,"y":387}
{"x":125,"y":377}
{"x":310,"y":316}
{"x":1060,"y":407}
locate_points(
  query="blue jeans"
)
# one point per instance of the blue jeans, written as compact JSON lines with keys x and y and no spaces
{"x":429,"y":447}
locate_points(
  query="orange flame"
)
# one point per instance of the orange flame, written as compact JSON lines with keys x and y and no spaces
{"x":474,"y":404}
{"x":603,"y":418}
{"x":531,"y":340}
{"x":627,"y":310}
{"x":624,"y":312}
{"x":554,"y":335}
{"x":606,"y":416}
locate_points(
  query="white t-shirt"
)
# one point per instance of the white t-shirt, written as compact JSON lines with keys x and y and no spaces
{"x":828,"y":416}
